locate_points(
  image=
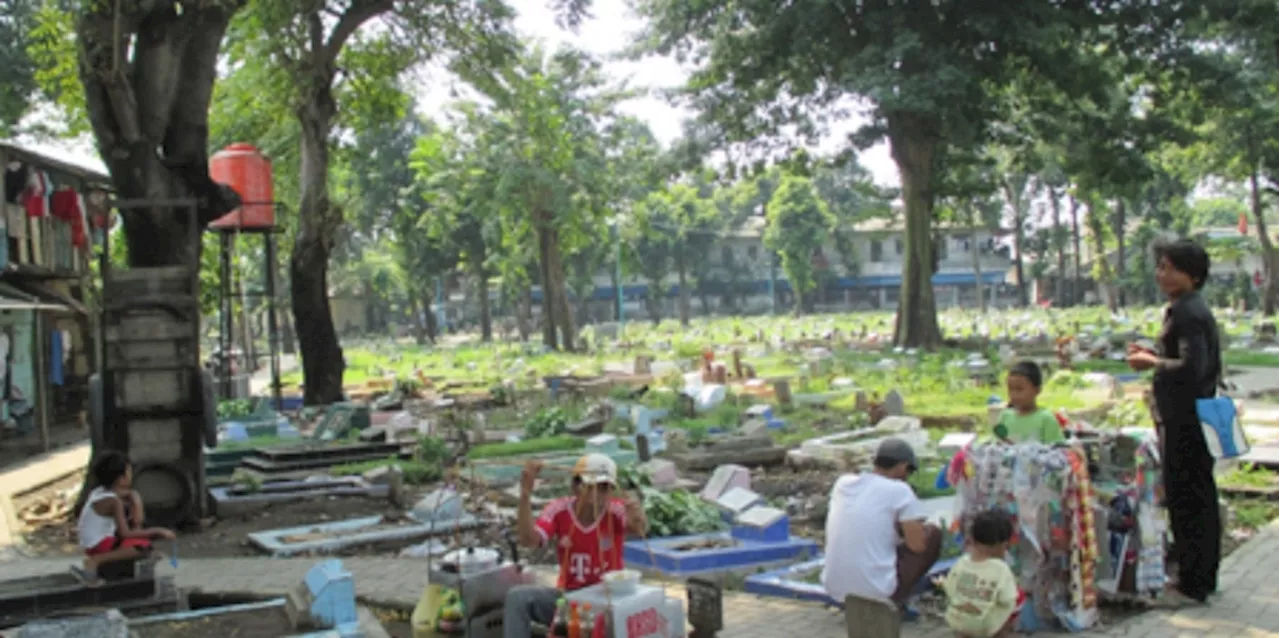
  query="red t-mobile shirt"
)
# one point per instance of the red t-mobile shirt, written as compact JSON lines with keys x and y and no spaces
{"x":585,"y":552}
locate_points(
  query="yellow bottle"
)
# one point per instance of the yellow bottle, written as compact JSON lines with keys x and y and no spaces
{"x":427,"y":611}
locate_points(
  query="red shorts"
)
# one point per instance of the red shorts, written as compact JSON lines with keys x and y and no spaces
{"x":112,"y":543}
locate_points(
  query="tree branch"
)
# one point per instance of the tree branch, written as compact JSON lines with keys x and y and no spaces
{"x":360,"y":12}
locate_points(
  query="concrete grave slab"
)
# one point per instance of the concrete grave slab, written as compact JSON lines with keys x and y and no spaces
{"x":108,"y":624}
{"x":738,"y":500}
{"x":661,"y":472}
{"x":724,"y":478}
{"x":863,"y":441}
{"x":355,"y":532}
{"x":228,"y":500}
{"x":603,"y":443}
{"x":440,"y":505}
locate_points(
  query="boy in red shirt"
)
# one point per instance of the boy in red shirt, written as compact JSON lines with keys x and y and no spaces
{"x":588,"y":528}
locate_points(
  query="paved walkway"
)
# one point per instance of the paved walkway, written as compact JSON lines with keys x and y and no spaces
{"x":1249,"y":606}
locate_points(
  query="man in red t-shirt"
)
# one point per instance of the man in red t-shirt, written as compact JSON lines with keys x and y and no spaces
{"x":588,"y":528}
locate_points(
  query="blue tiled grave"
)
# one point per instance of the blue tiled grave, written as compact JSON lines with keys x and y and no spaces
{"x":709,"y":553}
{"x":800,"y":581}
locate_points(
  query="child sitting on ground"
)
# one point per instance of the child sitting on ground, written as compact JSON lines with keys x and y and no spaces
{"x":1024,"y":421}
{"x":110,"y":526}
{"x":982,"y":592}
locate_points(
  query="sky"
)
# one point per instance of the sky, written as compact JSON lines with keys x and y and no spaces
{"x":608,"y":30}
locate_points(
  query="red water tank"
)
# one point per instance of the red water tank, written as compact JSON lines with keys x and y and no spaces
{"x":248,"y":171}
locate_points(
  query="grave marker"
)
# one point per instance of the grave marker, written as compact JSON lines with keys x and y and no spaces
{"x":893,"y":404}
{"x":438,"y":506}
{"x":738,"y":500}
{"x":782,"y":390}
{"x":762,"y":523}
{"x":723,"y":479}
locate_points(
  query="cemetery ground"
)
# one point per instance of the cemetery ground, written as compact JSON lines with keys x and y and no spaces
{"x":469,"y":414}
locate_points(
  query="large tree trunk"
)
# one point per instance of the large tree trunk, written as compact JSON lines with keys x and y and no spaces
{"x":524,"y":312}
{"x":554,"y":291}
{"x":1102,"y":265}
{"x":977,"y":261}
{"x":683,"y":278}
{"x":1270,"y":267}
{"x":544,"y":274}
{"x":149,"y":114}
{"x":1060,"y":247}
{"x":914,"y":145}
{"x":1076,"y":283}
{"x":1121,"y":267}
{"x":482,"y":291}
{"x":318,"y":223}
{"x":1016,"y":195}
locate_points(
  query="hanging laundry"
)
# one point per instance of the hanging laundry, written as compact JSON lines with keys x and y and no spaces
{"x":36,"y":196}
{"x":15,"y":182}
{"x":69,"y":207}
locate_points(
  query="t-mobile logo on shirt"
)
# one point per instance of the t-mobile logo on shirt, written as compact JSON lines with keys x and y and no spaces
{"x":579,"y":566}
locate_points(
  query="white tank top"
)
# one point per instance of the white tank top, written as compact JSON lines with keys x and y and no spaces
{"x":94,"y":527}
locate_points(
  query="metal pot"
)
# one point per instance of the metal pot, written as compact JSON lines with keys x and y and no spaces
{"x":470,"y":560}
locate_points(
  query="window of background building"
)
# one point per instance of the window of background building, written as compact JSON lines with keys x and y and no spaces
{"x":897,"y":247}
{"x":877,"y":251}
{"x":753,"y":252}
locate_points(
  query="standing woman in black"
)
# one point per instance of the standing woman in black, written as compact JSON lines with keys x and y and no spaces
{"x":1188,"y":366}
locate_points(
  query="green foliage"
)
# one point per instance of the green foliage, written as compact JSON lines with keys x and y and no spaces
{"x":415,"y":472}
{"x":798,"y":224}
{"x":679,"y":513}
{"x":234,"y":409}
{"x":561,"y":443}
{"x":19,"y":28}
{"x":548,"y":422}
{"x":431,"y":449}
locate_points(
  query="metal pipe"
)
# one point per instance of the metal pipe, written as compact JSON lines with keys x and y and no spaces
{"x":273,"y":329}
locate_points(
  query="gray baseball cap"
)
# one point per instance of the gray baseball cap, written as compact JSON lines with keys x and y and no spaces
{"x":896,"y":451}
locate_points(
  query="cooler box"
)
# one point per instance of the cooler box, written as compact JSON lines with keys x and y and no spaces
{"x":646,"y":613}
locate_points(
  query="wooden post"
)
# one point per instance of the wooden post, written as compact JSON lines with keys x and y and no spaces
{"x":41,"y":401}
{"x":782,"y":390}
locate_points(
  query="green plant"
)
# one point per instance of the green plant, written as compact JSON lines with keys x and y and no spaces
{"x":679,"y":513}
{"x":1131,"y":413}
{"x":551,"y":421}
{"x":246,"y":482}
{"x":1253,"y":514}
{"x":529,"y":446}
{"x":414,"y":472}
{"x":1249,"y":476}
{"x":432,"y":449}
{"x":500,"y":394}
{"x":234,"y":409}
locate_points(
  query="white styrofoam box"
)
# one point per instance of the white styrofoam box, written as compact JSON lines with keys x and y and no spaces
{"x":673,"y":610}
{"x":953,"y":442}
{"x":640,"y":614}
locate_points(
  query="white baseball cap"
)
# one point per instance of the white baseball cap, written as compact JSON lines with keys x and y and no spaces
{"x":596,"y":468}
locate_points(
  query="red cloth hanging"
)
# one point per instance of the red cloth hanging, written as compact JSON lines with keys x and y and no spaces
{"x":36,"y":196}
{"x":68,"y":207}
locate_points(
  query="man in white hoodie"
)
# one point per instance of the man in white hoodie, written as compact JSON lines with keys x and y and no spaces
{"x":879,"y":545}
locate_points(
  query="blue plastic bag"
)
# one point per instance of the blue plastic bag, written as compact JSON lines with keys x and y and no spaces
{"x":1222,"y":430}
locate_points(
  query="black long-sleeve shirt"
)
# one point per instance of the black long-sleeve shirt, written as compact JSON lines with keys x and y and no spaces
{"x":1190,"y":364}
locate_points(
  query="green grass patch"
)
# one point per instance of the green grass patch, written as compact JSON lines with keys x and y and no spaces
{"x":563,"y":443}
{"x":1250,"y":358}
{"x":1250,"y":477}
{"x":257,"y":442}
{"x":415,"y":472}
{"x":1252,"y":513}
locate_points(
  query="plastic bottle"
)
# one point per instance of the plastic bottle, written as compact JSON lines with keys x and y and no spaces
{"x":587,"y":619}
{"x":558,"y":617}
{"x":575,"y":630}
